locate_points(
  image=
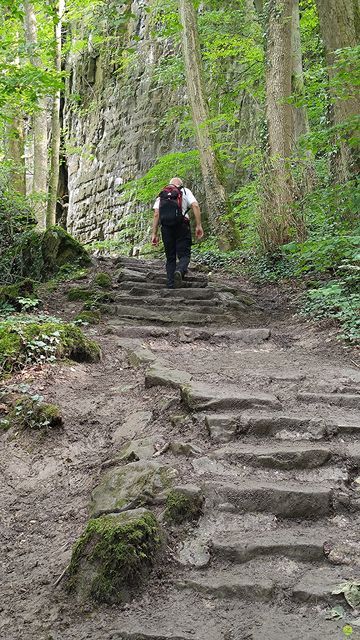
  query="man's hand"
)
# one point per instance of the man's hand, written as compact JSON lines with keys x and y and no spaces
{"x":199,"y":232}
{"x":154,"y":240}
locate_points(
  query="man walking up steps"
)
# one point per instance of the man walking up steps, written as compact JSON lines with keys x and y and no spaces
{"x":171,"y":211}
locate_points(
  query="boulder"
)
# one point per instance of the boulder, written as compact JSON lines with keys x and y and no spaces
{"x":136,"y":484}
{"x":114,"y":556}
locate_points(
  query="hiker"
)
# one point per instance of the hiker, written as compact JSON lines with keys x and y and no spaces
{"x":171,"y":211}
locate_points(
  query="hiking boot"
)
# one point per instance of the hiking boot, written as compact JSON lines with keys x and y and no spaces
{"x":178,"y":280}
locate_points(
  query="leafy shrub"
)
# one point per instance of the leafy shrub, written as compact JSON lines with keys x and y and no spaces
{"x":334,"y":301}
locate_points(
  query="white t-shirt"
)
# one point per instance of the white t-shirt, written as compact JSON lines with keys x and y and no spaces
{"x":188,"y":199}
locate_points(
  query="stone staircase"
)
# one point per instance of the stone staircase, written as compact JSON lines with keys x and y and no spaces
{"x":280,"y":524}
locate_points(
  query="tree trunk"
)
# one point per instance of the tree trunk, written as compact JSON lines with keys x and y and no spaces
{"x":216,"y":200}
{"x":276,"y":219}
{"x":16,"y":152}
{"x":55,"y":125}
{"x":39,"y":123}
{"x":339,"y":26}
{"x":299,"y":114}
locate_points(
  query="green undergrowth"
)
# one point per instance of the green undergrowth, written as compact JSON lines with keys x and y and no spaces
{"x":18,"y":296}
{"x":41,"y":255}
{"x":120,"y":549}
{"x":28,"y":340}
{"x":326,"y":264}
{"x":32,"y":413}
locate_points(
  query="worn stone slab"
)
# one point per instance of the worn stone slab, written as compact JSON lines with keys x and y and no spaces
{"x":318,"y":584}
{"x":142,"y":449}
{"x":129,"y":331}
{"x":285,"y":499}
{"x":200,"y":396}
{"x":221,"y":585}
{"x":134,"y":424}
{"x":284,"y":456}
{"x":351,"y":400}
{"x":194,"y":552}
{"x":296,"y":543}
{"x":130,"y":274}
{"x":164,"y":315}
{"x":127,"y":487}
{"x":247,"y":336}
{"x":223,"y":427}
{"x":160,"y":376}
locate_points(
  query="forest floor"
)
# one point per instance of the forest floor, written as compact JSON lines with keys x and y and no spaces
{"x":268,"y":431}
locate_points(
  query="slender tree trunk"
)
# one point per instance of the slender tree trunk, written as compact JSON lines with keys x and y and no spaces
{"x":339,"y":26}
{"x":16,"y":152}
{"x":300,"y":118}
{"x":55,"y":125}
{"x":39,"y":121}
{"x":276,"y":219}
{"x":214,"y":190}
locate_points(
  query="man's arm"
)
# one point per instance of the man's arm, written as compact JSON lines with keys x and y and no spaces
{"x":199,"y":232}
{"x":154,"y":235}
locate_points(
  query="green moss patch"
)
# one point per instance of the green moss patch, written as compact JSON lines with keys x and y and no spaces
{"x":80,"y":293}
{"x":23,"y":343}
{"x":89,"y":296}
{"x":91,"y":317}
{"x":10,"y":294}
{"x":103,"y":280}
{"x":183,"y":504}
{"x":114,"y":556}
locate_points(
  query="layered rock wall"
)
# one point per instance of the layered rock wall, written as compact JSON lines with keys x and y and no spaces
{"x":113,"y":132}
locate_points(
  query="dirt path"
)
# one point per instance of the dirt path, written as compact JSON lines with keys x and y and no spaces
{"x":268,"y":430}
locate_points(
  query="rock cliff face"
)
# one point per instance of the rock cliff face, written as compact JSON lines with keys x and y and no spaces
{"x":113,"y":131}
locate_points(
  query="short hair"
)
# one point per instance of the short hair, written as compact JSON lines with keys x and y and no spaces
{"x":177,"y":182}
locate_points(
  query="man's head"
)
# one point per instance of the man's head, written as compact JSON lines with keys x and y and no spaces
{"x":177,"y":182}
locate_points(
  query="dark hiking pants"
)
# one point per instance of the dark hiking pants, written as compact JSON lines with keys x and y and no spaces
{"x":177,"y":243}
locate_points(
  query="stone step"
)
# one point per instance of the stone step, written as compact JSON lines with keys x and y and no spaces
{"x":229,"y":584}
{"x":262,"y":580}
{"x":153,"y":286}
{"x":200,"y":396}
{"x":198,"y":293}
{"x":207,"y":306}
{"x":227,"y":426}
{"x":277,"y":456}
{"x":351,"y":400}
{"x":191,"y":334}
{"x":284,"y":499}
{"x":298,"y":543}
{"x":166,"y":315}
{"x":317,"y":585}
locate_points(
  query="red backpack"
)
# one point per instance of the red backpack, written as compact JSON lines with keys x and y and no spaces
{"x":170,"y":207}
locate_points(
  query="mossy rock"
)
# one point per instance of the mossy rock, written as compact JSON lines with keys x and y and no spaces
{"x":31,"y":414}
{"x":89,"y":295}
{"x":184,"y":504}
{"x":91,"y":317}
{"x":79,"y":293}
{"x":103,"y":280}
{"x":59,"y":248}
{"x":41,"y":254}
{"x":114,"y":556}
{"x":135,"y":485}
{"x":12,"y":292}
{"x":21,"y":343}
